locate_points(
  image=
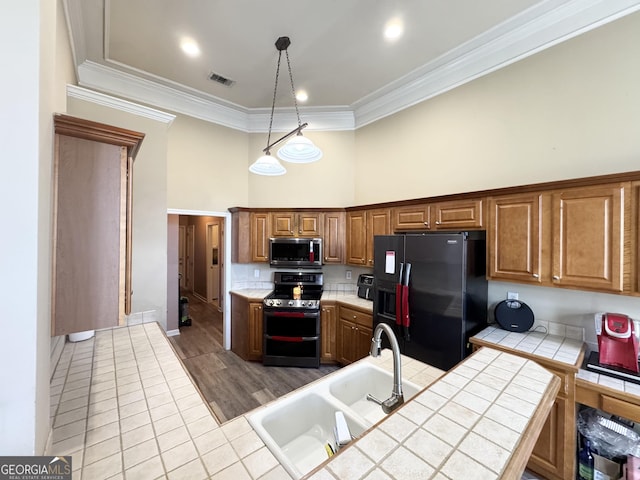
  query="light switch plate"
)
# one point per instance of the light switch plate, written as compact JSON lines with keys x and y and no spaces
{"x":512,"y":295}
{"x":348,"y":275}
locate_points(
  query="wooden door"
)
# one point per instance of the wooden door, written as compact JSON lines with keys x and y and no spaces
{"x":588,"y":237}
{"x":333,"y":235}
{"x":255,"y":331}
{"x":548,"y":455}
{"x":514,"y":238}
{"x":182,"y":235}
{"x":89,"y":249}
{"x":213,"y":262}
{"x":283,"y":224}
{"x":309,"y":224}
{"x":357,"y":237}
{"x":190,"y":257}
{"x":411,"y":217}
{"x":346,"y":341}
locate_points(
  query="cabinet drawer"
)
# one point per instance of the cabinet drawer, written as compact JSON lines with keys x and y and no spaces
{"x":620,"y":407}
{"x":361,"y":318}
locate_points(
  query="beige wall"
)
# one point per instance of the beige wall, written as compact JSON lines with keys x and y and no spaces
{"x":326,"y":183}
{"x":206,"y":166}
{"x":149,"y":260}
{"x":569,"y":111}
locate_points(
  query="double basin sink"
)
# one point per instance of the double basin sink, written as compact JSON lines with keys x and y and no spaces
{"x":299,"y":428}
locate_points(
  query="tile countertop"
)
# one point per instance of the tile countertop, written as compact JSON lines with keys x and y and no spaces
{"x":328,"y":295}
{"x":564,"y":350}
{"x":479,"y":421}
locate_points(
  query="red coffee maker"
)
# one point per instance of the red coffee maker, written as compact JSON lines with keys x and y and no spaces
{"x":617,"y":341}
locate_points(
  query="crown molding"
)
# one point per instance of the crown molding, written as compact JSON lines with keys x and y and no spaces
{"x":541,"y":27}
{"x":118,"y":104}
{"x":544,"y":25}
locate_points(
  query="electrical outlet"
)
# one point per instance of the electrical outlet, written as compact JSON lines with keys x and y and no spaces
{"x":512,"y":295}
{"x":348,"y":274}
{"x":256,"y":273}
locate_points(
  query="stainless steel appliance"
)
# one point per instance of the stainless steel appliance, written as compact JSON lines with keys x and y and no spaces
{"x":432,"y":290}
{"x":290,"y":252}
{"x":291,"y":320}
{"x":365,"y":286}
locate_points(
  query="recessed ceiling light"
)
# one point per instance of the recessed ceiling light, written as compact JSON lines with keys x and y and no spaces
{"x":190,"y":47}
{"x":302,"y":96}
{"x":393,"y":29}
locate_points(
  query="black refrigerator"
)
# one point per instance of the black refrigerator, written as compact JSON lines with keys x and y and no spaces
{"x":431,"y":288}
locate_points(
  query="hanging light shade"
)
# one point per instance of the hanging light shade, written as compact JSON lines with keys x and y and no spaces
{"x":298,"y":149}
{"x":267,"y":165}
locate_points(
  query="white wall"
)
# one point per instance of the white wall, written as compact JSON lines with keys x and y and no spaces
{"x":27,"y":99}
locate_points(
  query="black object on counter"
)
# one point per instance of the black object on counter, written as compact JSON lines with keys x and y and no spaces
{"x":514,"y":315}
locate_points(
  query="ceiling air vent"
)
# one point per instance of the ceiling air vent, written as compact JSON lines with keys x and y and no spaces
{"x":227,"y":82}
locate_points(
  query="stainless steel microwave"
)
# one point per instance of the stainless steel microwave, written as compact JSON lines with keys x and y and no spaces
{"x":295,"y":252}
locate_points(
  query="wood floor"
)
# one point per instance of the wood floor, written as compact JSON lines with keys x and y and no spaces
{"x":231,"y":385}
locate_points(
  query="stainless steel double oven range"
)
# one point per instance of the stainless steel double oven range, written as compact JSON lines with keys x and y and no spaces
{"x":291,"y":325}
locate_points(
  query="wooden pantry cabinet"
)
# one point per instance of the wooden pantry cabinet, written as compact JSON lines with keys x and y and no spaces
{"x":569,"y":238}
{"x":92,"y":224}
{"x":362,"y":226}
{"x":450,"y":215}
{"x":333,"y":237}
{"x":249,"y":236}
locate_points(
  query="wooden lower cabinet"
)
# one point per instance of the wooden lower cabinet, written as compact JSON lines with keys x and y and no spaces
{"x":355,"y":329}
{"x":328,"y":333}
{"x":246,"y":328}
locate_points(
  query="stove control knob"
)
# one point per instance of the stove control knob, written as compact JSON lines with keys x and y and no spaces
{"x":302,"y":304}
{"x":268,"y":303}
{"x":291,"y":303}
{"x":277,"y":302}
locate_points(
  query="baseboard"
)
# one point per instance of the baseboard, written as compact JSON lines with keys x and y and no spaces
{"x":173,"y":333}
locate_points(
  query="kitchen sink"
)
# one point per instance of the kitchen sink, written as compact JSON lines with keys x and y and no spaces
{"x":297,"y":427}
{"x":365,"y":378}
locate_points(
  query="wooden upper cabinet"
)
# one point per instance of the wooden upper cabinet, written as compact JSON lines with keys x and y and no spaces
{"x":259,"y":237}
{"x":514,"y":238}
{"x":296,"y":224}
{"x":92,"y":224}
{"x":357,"y":237}
{"x":333,"y":236}
{"x":378,"y":223}
{"x":588,"y":237}
{"x":411,"y":217}
{"x":457,"y":214}
{"x":451,"y":215}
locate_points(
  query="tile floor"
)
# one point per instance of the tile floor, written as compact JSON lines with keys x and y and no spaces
{"x":123,"y":407}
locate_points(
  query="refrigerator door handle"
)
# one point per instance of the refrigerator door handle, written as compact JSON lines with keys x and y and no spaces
{"x":405,"y":302}
{"x":399,"y":296}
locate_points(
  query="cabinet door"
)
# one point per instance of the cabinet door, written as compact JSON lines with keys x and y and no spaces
{"x":333,"y":235}
{"x":378,"y":223}
{"x":357,"y":237}
{"x":457,"y":214}
{"x":346,"y":344}
{"x":514,"y":238}
{"x":548,"y":455}
{"x":328,"y":326}
{"x":283,"y":224}
{"x":309,"y":224}
{"x":363,"y":342}
{"x":411,"y":217}
{"x":254,"y":346}
{"x":588,"y":237}
{"x":260,"y":237}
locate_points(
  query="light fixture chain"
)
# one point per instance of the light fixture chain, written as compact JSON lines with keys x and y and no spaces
{"x":273,"y":104}
{"x":293,"y":90}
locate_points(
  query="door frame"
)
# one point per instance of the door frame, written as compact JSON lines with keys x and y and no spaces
{"x":226,"y":241}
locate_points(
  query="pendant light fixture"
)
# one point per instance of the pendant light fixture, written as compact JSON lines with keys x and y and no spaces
{"x":298,"y":149}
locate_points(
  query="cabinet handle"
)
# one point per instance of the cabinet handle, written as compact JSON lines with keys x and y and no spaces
{"x":426,"y":224}
{"x":355,"y":317}
{"x":556,"y":277}
{"x":291,"y":231}
{"x":535,"y":275}
{"x":437,"y":222}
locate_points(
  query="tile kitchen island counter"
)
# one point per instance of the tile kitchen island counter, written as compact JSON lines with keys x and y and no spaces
{"x":123,"y":406}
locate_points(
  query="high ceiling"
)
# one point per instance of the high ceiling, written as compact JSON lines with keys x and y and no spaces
{"x":339,"y":56}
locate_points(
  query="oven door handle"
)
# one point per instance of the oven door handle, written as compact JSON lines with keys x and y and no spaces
{"x":283,"y":338}
{"x":290,"y":314}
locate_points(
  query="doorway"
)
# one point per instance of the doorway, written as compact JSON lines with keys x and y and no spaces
{"x":214,"y":263}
